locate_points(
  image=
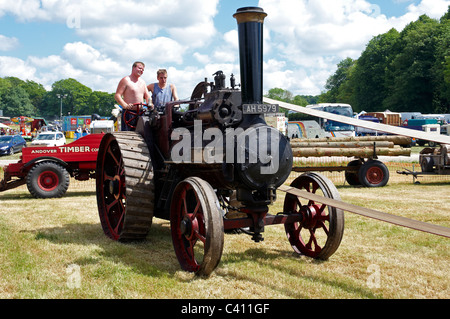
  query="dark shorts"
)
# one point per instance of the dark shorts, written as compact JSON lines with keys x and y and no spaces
{"x":124,"y":126}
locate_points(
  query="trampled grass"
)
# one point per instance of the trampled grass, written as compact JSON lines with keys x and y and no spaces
{"x":55,"y":248}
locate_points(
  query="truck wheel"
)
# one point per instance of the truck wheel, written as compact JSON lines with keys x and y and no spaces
{"x":352,"y":177}
{"x":48,"y":180}
{"x":426,"y":164}
{"x":373,"y":174}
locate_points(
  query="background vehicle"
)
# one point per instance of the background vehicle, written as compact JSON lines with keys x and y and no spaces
{"x":433,"y":161}
{"x":10,"y":144}
{"x":333,"y":128}
{"x":47,"y":170}
{"x":305,"y":129}
{"x":50,"y":139}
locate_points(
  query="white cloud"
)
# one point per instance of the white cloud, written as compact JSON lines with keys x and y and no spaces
{"x":303,"y":40}
{"x":11,"y":66}
{"x":83,"y":56}
{"x":433,"y":8}
{"x":7,"y":43}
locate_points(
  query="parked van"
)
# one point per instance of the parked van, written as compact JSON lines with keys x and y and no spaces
{"x":305,"y":129}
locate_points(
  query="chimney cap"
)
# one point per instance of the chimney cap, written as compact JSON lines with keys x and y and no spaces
{"x":250,"y":14}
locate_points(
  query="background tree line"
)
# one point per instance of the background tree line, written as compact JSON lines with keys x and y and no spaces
{"x":407,"y":71}
{"x":28,"y":98}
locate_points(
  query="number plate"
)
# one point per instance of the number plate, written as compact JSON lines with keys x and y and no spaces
{"x":260,"y":108}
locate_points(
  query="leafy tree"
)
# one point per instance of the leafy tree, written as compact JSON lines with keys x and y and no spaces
{"x":36,"y":92}
{"x":16,"y":102}
{"x":411,"y":85}
{"x":75,"y":102}
{"x":101,"y":103}
{"x":286,"y":96}
{"x":441,"y":68}
{"x":335,"y":82}
{"x":279,"y":95}
{"x":368,"y":78}
{"x":299,"y":100}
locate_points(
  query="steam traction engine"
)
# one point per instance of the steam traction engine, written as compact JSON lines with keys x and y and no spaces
{"x":212,"y":168}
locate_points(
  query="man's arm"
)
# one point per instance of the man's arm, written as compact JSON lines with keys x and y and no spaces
{"x":148,"y":98}
{"x":174,"y":92}
{"x":119,"y":93}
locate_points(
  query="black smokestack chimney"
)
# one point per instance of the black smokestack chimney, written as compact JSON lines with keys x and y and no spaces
{"x":250,"y":28}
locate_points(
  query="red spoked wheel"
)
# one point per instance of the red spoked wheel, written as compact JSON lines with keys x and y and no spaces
{"x":131,"y":116}
{"x":320,"y":232}
{"x":196,"y":222}
{"x":124,"y":183}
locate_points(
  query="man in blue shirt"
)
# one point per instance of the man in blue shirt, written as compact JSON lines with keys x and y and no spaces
{"x":162,"y":92}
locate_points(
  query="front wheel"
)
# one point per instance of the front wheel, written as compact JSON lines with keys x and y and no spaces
{"x":196,"y":223}
{"x":48,"y":180}
{"x":319,"y":233}
{"x":352,"y":176}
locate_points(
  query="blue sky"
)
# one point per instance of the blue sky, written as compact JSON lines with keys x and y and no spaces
{"x":96,"y":42}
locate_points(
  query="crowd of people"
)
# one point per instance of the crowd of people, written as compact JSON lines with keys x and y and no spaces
{"x":8,"y":131}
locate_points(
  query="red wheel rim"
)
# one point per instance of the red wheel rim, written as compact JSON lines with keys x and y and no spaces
{"x":307,"y":237}
{"x":48,"y":181}
{"x":190,"y":235}
{"x":374,"y":175}
{"x":112,"y":190}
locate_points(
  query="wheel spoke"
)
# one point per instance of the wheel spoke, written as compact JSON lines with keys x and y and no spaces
{"x":114,"y":158}
{"x":184,"y":211}
{"x":119,"y":222}
{"x":111,"y":205}
{"x":196,"y":209}
{"x":107,"y":177}
{"x":200,"y":236}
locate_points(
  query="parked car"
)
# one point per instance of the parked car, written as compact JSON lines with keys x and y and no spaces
{"x":10,"y":144}
{"x":50,"y":139}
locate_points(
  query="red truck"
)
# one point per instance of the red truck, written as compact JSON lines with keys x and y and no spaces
{"x":47,"y":170}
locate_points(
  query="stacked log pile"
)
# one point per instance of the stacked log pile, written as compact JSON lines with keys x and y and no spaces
{"x":361,"y":146}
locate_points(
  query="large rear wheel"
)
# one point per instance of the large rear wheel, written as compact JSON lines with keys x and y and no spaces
{"x":125,"y":190}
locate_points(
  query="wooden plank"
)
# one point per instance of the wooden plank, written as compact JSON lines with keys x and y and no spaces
{"x":367,"y":212}
{"x":443,"y":139}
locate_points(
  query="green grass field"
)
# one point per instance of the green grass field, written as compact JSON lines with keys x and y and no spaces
{"x":55,"y":248}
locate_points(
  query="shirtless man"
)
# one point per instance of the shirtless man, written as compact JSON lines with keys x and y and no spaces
{"x":132,"y":89}
{"x":161,"y":91}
